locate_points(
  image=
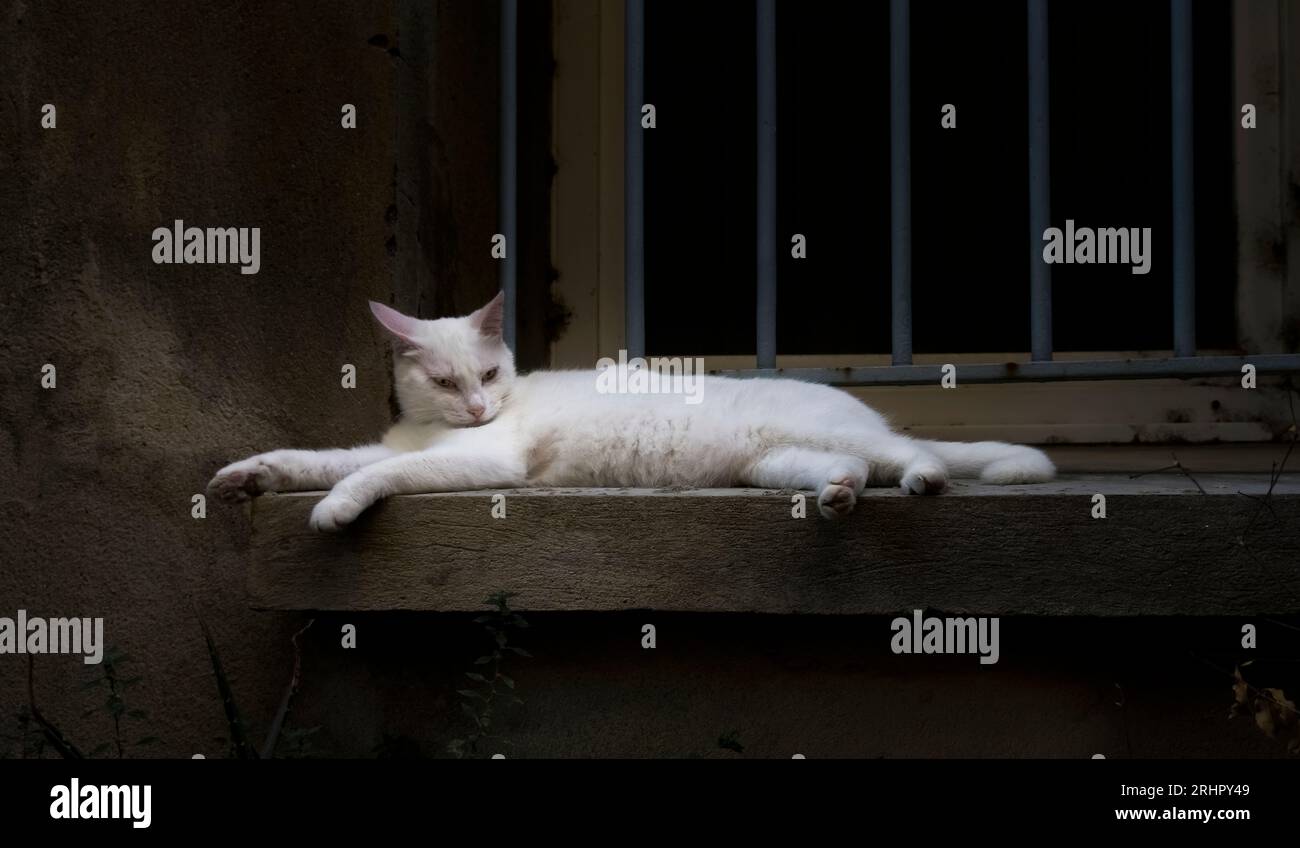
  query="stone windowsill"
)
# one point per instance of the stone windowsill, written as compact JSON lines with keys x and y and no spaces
{"x":1163,"y":549}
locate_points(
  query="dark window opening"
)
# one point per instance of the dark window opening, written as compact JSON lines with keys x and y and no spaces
{"x":1110,"y":117}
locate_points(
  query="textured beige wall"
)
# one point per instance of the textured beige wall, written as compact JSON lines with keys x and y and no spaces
{"x":222,"y":115}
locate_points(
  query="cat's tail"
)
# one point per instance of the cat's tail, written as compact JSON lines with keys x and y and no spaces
{"x":993,"y":462}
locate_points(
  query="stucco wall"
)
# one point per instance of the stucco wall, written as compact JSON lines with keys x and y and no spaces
{"x":222,"y":115}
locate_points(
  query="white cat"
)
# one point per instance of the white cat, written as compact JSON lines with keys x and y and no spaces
{"x":469,"y":422}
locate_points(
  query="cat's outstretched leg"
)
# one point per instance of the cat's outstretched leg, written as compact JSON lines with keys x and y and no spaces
{"x":292,"y":471}
{"x":471,"y":458}
{"x":837,"y":478}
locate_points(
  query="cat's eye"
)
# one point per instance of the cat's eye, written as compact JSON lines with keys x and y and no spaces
{"x":445,"y":383}
{"x":490,"y":375}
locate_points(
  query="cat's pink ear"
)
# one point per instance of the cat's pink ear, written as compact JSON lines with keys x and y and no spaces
{"x":488,"y":319}
{"x":401,"y":326}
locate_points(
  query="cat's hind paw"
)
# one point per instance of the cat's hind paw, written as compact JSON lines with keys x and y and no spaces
{"x":334,"y":512}
{"x":836,"y":501}
{"x":925,"y":480}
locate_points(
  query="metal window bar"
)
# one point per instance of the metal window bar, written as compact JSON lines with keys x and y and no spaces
{"x":634,"y":178}
{"x":900,"y":180}
{"x":1041,"y":367}
{"x":1180,"y":67}
{"x":1040,"y":195}
{"x":766,"y":52}
{"x":508,"y":207}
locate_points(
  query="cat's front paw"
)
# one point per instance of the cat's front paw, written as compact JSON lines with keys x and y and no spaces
{"x":242,"y":480}
{"x":334,"y":512}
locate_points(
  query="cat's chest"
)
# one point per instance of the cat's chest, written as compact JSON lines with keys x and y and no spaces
{"x":405,"y":436}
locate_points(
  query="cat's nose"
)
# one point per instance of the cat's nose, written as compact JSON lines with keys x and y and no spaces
{"x":475,"y":409}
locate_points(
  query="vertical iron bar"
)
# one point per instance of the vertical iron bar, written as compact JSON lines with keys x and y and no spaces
{"x":766,"y":28}
{"x":508,"y":207}
{"x":900,"y":180}
{"x":1184,"y":220}
{"x":634,"y":178}
{"x":1040,"y":185}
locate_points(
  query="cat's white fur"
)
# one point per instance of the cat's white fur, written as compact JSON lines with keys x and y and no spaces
{"x":484,"y":427}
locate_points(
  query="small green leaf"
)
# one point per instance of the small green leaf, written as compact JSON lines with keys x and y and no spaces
{"x":469,"y":711}
{"x":520,"y":651}
{"x":476,"y":676}
{"x":470,"y":693}
{"x":731,"y":741}
{"x":501,"y":639}
{"x":506,"y":680}
{"x":482,"y":661}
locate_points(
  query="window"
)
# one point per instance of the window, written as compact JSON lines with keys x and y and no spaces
{"x":1110,"y":123}
{"x":971,"y":241}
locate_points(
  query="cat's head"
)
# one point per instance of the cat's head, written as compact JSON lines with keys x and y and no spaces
{"x":456,"y":371}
